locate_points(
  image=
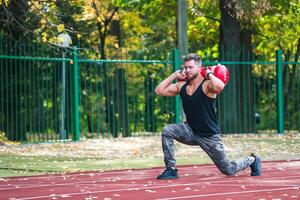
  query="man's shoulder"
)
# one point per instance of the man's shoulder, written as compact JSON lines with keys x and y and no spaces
{"x":180,"y":84}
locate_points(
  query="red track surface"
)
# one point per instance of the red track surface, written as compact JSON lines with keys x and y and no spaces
{"x":280,"y":180}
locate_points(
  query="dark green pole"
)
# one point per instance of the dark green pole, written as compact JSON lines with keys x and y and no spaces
{"x":280,"y":111}
{"x":182,"y":40}
{"x":75,"y":97}
{"x":182,"y":28}
{"x":176,"y":67}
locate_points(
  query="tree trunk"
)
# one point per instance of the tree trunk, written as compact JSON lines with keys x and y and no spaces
{"x":14,"y":126}
{"x":292,"y":90}
{"x":229,"y":47}
{"x":236,"y":101}
{"x":149,"y":123}
{"x":123,"y":103}
{"x":13,"y":19}
{"x":246,"y":84}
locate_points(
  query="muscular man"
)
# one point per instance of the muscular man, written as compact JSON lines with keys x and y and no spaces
{"x":198,"y":93}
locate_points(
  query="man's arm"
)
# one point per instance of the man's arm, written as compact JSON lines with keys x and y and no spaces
{"x":167,"y":88}
{"x":215,"y":85}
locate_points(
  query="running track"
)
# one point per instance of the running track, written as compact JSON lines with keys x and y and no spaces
{"x":280,"y":180}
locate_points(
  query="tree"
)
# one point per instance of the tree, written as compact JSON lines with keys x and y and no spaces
{"x":238,"y":20}
{"x":280,"y":29}
{"x":13,"y":23}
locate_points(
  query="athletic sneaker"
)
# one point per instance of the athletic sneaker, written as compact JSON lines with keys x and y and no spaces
{"x":256,"y":166}
{"x":169,"y":173}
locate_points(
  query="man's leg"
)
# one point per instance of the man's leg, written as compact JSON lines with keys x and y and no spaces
{"x":214,"y":147}
{"x":181,"y":133}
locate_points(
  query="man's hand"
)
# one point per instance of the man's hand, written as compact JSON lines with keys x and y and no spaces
{"x":219,"y":71}
{"x":181,"y":75}
{"x":218,"y":76}
{"x":205,"y":71}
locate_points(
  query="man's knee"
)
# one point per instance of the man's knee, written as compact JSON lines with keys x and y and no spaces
{"x":167,"y":131}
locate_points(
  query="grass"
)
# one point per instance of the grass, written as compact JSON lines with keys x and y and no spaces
{"x":129,"y":153}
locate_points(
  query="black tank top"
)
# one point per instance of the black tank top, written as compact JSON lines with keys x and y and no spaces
{"x":200,"y":112}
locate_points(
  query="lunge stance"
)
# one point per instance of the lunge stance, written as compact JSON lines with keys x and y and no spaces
{"x":198,"y":92}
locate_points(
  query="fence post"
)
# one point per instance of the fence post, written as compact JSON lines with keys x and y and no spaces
{"x":75,"y":96}
{"x":280,"y":111}
{"x":176,"y":67}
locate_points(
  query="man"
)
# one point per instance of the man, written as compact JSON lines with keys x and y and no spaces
{"x":198,"y":94}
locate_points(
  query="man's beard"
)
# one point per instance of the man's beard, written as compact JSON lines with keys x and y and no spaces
{"x":191,"y":77}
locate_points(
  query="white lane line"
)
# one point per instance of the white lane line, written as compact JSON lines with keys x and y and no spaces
{"x":104,"y":191}
{"x":98,"y":181}
{"x":183,"y":170}
{"x":230,"y":193}
{"x":104,"y":181}
{"x":146,"y":188}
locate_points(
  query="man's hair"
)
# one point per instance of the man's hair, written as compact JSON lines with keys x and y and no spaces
{"x":193,"y":56}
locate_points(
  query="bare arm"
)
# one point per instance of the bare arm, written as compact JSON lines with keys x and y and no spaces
{"x":215,"y":85}
{"x":167,"y":88}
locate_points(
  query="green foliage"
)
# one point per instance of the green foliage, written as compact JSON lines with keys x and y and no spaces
{"x":136,"y":31}
{"x":203,"y":28}
{"x":153,"y":23}
{"x":279,"y":28}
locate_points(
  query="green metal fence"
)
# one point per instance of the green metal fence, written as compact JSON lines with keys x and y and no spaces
{"x":117,"y":94}
{"x":262,"y":95}
{"x":50,"y":93}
